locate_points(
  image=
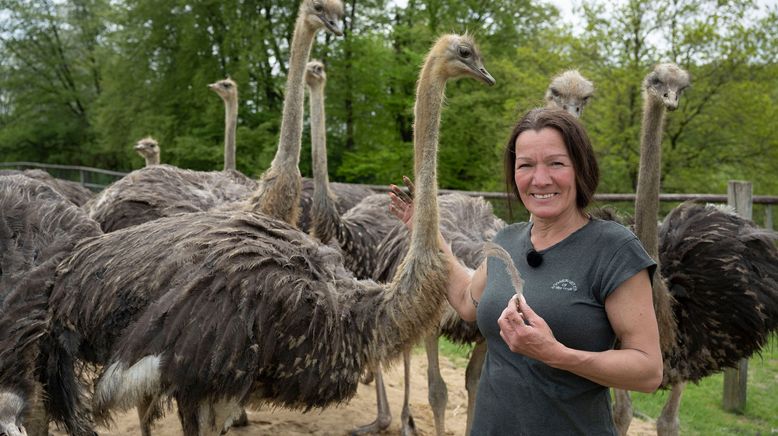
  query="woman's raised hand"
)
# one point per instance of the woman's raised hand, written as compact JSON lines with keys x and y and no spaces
{"x":402,"y":202}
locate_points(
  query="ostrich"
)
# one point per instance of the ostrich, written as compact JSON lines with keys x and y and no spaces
{"x":228,"y":91}
{"x":148,"y":149}
{"x":74,"y":192}
{"x":358,"y":231}
{"x":38,"y":228}
{"x":466,"y":223}
{"x":716,"y":297}
{"x":245,"y":300}
{"x":569,"y":91}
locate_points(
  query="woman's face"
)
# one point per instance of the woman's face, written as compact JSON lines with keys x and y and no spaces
{"x":544,"y":174}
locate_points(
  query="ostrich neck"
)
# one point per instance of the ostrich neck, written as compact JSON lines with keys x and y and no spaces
{"x":647,"y":195}
{"x":319,"y":140}
{"x":288,"y":153}
{"x":647,"y":213}
{"x":152,"y":160}
{"x":429,"y":100}
{"x":230,"y":125}
{"x":323,"y":209}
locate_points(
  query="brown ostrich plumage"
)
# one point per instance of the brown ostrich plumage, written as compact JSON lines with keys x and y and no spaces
{"x":74,"y":192}
{"x":163,"y":190}
{"x":722,"y":272}
{"x":38,"y":228}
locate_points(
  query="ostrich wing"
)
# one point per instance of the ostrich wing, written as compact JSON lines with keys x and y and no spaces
{"x":723,"y":272}
{"x":163,"y":190}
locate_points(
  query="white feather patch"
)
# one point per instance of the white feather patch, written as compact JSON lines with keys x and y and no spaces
{"x":124,"y":387}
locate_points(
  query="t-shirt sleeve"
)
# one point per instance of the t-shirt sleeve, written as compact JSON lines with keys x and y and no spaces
{"x":627,"y":260}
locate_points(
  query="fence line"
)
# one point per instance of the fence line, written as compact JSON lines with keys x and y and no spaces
{"x":85,"y":179}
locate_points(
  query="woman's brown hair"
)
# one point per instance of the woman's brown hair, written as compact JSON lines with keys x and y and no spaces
{"x":579,"y":148}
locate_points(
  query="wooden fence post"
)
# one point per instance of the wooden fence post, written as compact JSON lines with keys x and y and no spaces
{"x":739,"y":196}
{"x":768,"y":216}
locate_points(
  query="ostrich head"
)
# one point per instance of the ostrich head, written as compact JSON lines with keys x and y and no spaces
{"x":323,"y":13}
{"x":569,"y":91}
{"x":459,"y":56}
{"x":315,"y":74}
{"x":227,"y":89}
{"x":665,"y":84}
{"x":148,"y":148}
{"x":11,"y":410}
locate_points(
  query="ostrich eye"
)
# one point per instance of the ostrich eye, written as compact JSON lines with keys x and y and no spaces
{"x":318,"y":7}
{"x":464,"y":52}
{"x":228,"y":85}
{"x":586,"y":99}
{"x":554,"y":92}
{"x":655,"y":80}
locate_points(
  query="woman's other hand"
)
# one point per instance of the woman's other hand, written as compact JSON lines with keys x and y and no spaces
{"x":525,"y":332}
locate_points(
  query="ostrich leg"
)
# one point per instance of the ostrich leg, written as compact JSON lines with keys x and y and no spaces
{"x":668,"y":423}
{"x":622,"y":411}
{"x":472,"y":376}
{"x":437,"y":391}
{"x":407,"y":426}
{"x":384,"y":417}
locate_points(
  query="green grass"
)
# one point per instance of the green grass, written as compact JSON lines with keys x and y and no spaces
{"x":701,"y":406}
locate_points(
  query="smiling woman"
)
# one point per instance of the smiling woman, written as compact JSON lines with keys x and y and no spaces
{"x":586,"y":284}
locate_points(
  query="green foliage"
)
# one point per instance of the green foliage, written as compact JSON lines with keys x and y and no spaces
{"x":82,"y":80}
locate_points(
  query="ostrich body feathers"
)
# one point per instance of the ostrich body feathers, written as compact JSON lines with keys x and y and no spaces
{"x":722,"y":272}
{"x":38,"y":228}
{"x":164,"y":190}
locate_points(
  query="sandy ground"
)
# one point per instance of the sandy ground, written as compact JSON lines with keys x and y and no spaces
{"x":360,"y":410}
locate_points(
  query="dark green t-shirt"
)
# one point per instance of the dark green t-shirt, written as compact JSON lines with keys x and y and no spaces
{"x":522,"y":396}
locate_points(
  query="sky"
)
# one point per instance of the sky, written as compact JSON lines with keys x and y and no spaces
{"x":566,"y":7}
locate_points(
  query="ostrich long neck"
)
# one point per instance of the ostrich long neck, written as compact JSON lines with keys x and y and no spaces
{"x":413,"y":304}
{"x":647,"y":195}
{"x":152,"y":159}
{"x":288,"y":153}
{"x":279,"y":191}
{"x":230,"y":125}
{"x":647,"y":211}
{"x":429,"y":100}
{"x":325,"y":214}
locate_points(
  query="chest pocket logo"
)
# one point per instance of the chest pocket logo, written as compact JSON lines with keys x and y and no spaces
{"x":565,"y":285}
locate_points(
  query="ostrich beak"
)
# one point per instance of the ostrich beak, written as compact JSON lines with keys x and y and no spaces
{"x":574,"y":110}
{"x":139,"y":147}
{"x":481,"y":74}
{"x":670,"y":99}
{"x":331,"y":25}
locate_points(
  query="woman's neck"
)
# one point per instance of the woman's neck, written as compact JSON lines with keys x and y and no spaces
{"x":548,"y":232}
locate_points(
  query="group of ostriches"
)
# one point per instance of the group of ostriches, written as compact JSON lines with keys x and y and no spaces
{"x":205,"y":287}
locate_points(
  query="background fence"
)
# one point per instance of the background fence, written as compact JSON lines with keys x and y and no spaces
{"x":96,"y":179}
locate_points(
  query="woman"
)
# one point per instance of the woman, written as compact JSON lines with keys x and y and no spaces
{"x":587,"y":283}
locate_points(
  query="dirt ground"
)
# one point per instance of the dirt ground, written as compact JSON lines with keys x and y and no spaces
{"x":360,"y":410}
